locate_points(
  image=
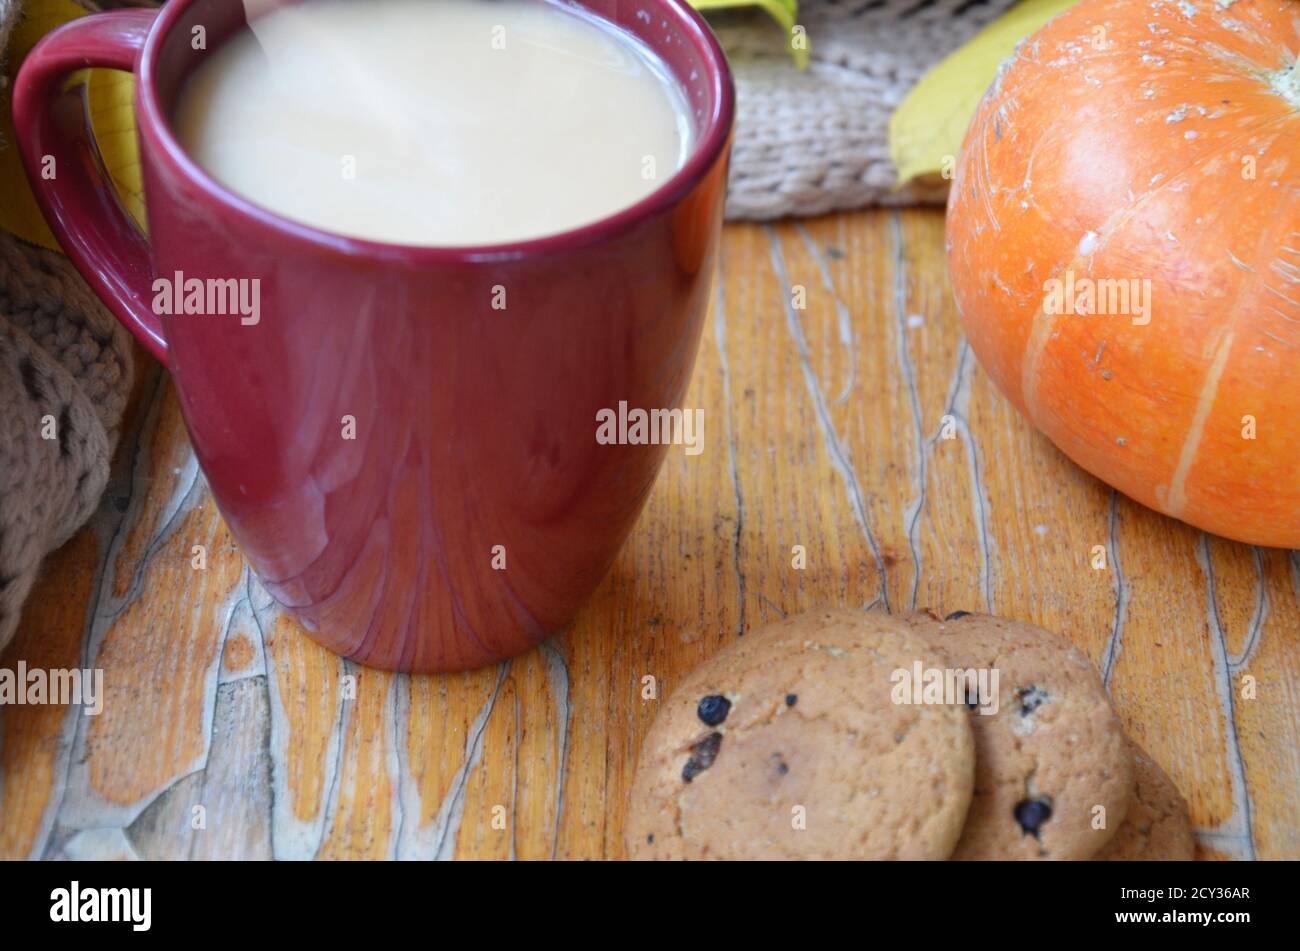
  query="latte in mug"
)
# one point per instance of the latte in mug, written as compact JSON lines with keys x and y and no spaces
{"x":435,"y":122}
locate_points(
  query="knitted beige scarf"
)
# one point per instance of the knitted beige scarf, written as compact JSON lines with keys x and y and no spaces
{"x":812,"y":141}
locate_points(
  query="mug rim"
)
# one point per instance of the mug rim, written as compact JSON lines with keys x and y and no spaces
{"x":713,"y":140}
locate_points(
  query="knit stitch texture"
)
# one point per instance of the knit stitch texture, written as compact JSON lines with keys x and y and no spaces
{"x":818,"y":140}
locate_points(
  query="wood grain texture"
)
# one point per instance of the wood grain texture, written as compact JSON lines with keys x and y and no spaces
{"x":843,"y":413}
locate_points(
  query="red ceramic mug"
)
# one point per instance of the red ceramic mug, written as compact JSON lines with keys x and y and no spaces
{"x":473,"y":510}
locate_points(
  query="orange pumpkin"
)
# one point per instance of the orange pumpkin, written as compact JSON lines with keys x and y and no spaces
{"x":1124,"y":248}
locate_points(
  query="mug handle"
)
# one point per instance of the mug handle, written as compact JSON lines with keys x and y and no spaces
{"x":79,"y":203}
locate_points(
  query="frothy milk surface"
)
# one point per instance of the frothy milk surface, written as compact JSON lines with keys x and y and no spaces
{"x":434,"y":122}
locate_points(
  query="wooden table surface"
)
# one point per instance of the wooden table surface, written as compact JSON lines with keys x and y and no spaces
{"x":859,"y":427}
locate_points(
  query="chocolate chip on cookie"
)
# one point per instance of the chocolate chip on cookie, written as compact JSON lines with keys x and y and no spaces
{"x":703,"y":753}
{"x":1032,"y":813}
{"x":713,"y":709}
{"x":1030,"y":699}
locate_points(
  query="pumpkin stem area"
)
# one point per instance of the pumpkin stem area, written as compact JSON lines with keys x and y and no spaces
{"x":1286,"y":84}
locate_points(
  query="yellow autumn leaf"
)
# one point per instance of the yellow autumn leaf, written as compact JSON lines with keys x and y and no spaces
{"x":109,"y":96}
{"x":783,"y":12}
{"x":110,"y":99}
{"x":926,"y":130}
{"x":19,"y":213}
